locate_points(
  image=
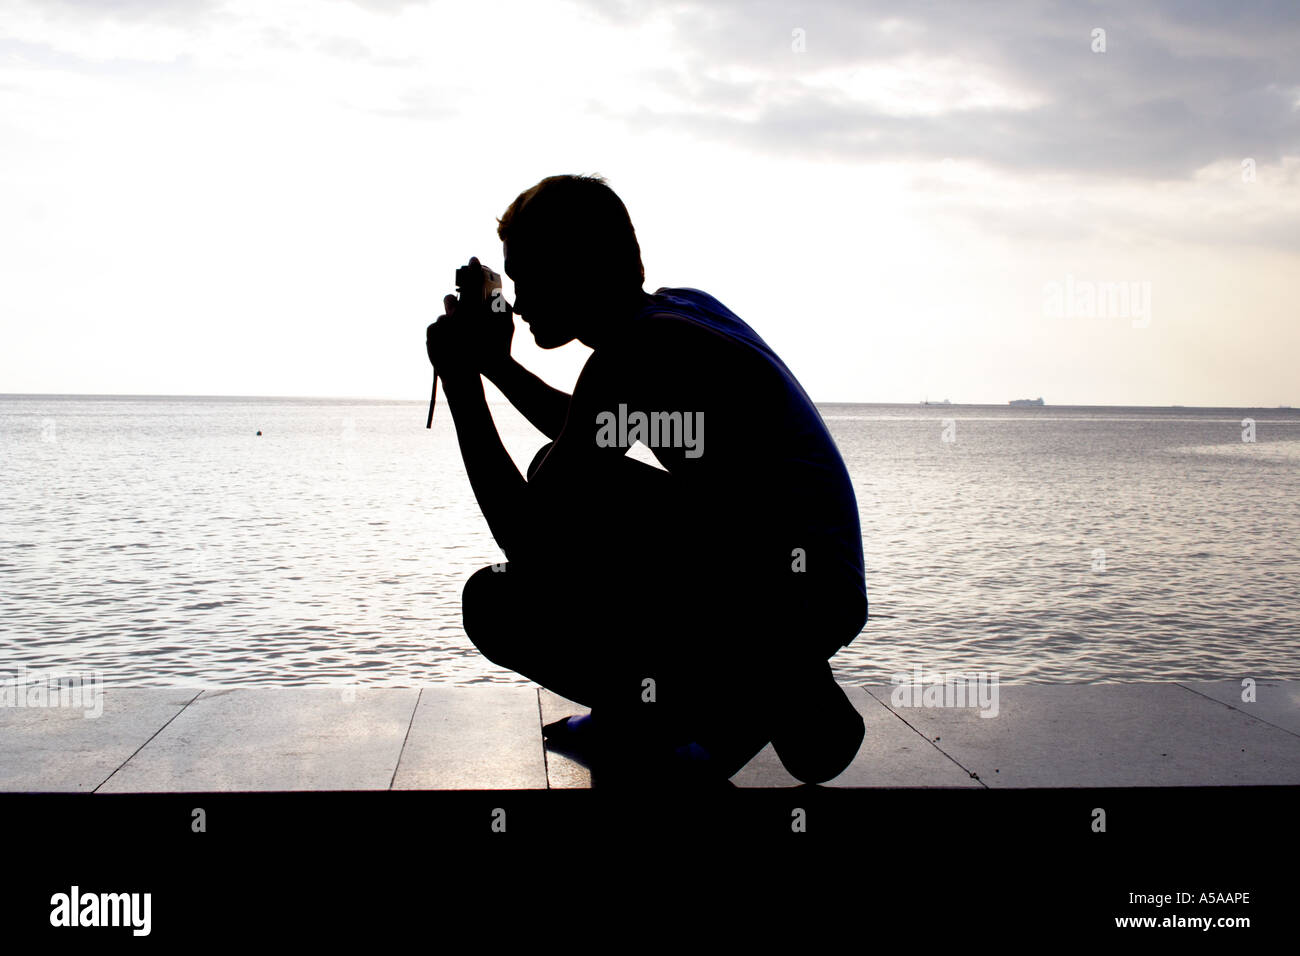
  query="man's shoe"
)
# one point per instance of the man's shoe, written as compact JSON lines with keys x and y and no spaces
{"x":568,"y":729}
{"x":818,"y":737}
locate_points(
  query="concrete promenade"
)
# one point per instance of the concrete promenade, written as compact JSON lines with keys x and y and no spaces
{"x":489,"y":737}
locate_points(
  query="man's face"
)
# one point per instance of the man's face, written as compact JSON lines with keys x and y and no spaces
{"x":540,"y":298}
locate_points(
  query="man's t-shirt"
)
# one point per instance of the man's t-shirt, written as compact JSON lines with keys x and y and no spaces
{"x":794,"y":479}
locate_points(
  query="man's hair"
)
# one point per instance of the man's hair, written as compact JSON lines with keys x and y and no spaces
{"x":578,"y":217}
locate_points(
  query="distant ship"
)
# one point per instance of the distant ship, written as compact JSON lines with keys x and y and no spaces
{"x":1026,"y":401}
{"x":944,"y":402}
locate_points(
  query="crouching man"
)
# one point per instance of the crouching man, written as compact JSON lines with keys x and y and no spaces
{"x":693,"y":607}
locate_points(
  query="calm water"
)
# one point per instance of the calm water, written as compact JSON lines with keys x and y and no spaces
{"x":161,"y":542}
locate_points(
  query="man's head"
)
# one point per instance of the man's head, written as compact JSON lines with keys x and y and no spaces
{"x":572,"y":253}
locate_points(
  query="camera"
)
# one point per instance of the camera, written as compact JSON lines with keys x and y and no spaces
{"x":476,"y":285}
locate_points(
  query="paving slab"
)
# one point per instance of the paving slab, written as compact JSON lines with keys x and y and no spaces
{"x":275,"y":738}
{"x":892,"y":755}
{"x":562,"y":773}
{"x":486,"y":737}
{"x":764,"y":770}
{"x":1108,"y":735}
{"x":61,"y":749}
{"x":489,"y":737}
{"x":1276,"y":702}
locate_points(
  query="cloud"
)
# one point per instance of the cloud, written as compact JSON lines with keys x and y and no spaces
{"x":388,"y":6}
{"x":162,"y":12}
{"x":1179,"y":86}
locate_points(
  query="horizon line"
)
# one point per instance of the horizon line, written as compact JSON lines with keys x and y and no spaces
{"x":418,"y":401}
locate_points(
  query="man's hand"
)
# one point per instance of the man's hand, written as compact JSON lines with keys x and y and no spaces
{"x":471,"y":337}
{"x":445,"y":340}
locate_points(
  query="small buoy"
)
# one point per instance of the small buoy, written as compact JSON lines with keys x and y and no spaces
{"x":259,"y":434}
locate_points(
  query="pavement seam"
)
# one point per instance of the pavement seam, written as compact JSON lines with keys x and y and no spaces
{"x":409,"y":724}
{"x":968,"y":773}
{"x":1238,"y":709}
{"x":146,"y":743}
{"x":546,"y":763}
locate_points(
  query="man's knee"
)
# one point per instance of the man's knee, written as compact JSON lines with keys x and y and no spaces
{"x":485,"y":604}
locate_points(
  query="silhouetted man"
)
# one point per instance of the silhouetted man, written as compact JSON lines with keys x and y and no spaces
{"x":693,"y":608}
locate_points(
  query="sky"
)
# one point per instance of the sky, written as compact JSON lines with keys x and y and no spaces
{"x":1094,"y":203}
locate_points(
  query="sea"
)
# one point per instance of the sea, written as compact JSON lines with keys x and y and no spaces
{"x":162,"y":541}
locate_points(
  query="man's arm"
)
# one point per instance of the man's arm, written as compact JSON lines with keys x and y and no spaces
{"x":497,"y":483}
{"x":544,"y":406}
{"x":460,"y":344}
{"x":522,"y":515}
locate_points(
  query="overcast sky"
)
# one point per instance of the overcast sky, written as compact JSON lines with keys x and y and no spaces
{"x":907,"y":200}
